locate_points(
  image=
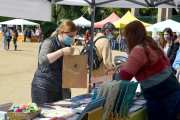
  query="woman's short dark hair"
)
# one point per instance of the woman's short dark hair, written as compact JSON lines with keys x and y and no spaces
{"x":109,"y":26}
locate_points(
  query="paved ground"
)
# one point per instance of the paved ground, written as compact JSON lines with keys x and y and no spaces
{"x":17,"y":70}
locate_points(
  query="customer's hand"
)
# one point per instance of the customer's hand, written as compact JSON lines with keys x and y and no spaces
{"x":95,"y":80}
{"x":113,"y":70}
{"x":100,"y":80}
{"x":68,"y":50}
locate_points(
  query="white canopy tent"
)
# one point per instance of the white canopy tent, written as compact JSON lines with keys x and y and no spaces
{"x":175,"y":26}
{"x":82,"y":22}
{"x":116,"y":4}
{"x":26,"y":9}
{"x":21,"y":22}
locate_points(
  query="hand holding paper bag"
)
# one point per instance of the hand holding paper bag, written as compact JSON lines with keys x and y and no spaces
{"x":74,"y":72}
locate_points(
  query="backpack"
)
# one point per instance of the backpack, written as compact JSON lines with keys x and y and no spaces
{"x":86,"y":51}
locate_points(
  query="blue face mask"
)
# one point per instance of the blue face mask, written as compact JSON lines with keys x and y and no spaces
{"x":67,"y":40}
{"x":109,"y":36}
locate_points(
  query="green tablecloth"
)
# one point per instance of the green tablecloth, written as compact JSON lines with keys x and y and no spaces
{"x":139,"y":115}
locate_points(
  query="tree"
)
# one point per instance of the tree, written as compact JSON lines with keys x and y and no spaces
{"x":55,"y":11}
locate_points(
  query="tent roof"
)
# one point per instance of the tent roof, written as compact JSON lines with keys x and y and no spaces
{"x":82,"y":22}
{"x":18,"y":22}
{"x":165,"y":24}
{"x":117,"y":3}
{"x":126,"y":19}
{"x":112,"y":18}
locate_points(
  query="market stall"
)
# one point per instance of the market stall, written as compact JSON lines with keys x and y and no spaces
{"x":81,"y":22}
{"x":21,"y":23}
{"x":159,"y":27}
{"x":120,"y":99}
{"x":126,"y":19}
{"x":112,"y":18}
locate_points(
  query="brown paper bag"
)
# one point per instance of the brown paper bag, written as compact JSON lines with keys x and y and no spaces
{"x":74,"y":74}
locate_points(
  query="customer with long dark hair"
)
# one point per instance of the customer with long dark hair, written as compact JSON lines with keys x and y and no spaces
{"x":148,"y":63}
{"x":169,"y":45}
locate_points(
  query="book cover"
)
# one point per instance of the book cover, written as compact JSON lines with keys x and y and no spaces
{"x":128,"y":98}
{"x":102,"y":87}
{"x":122,"y":90}
{"x":92,"y":105}
{"x":111,"y":97}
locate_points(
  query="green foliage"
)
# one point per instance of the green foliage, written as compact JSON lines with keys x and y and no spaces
{"x":148,"y":11}
{"x":48,"y":28}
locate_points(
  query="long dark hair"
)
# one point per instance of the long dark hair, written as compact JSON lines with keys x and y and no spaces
{"x":135,"y":33}
{"x":163,"y":41}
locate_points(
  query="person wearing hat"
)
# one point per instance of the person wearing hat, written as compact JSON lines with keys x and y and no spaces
{"x":176,"y":64}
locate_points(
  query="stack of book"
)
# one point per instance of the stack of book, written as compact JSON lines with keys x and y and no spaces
{"x":119,"y":97}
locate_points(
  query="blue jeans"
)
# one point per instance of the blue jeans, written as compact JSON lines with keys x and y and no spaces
{"x":40,"y":38}
{"x":122,"y":46}
{"x":113,"y":45}
{"x":37,"y":38}
{"x":166,"y":108}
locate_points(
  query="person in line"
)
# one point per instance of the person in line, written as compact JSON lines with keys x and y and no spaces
{"x":15,"y":36}
{"x":123,"y":43}
{"x":25,"y":34}
{"x":29,"y":35}
{"x":158,"y":38}
{"x":4,"y":39}
{"x":176,"y":64}
{"x":32,"y":32}
{"x":37,"y":34}
{"x":169,"y":45}
{"x":152,"y":69}
{"x":103,"y":49}
{"x":113,"y":42}
{"x":8,"y":38}
{"x":94,"y":34}
{"x":87,"y":37}
{"x":175,"y":35}
{"x":47,"y":82}
{"x":40,"y":35}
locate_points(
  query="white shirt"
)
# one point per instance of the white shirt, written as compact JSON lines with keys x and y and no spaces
{"x":166,"y":48}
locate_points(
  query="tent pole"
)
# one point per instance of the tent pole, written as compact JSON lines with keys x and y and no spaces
{"x":92,"y":43}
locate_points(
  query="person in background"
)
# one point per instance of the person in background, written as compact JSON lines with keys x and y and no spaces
{"x":94,"y":33}
{"x":4,"y":39}
{"x":37,"y":34}
{"x":29,"y":35}
{"x":123,"y":43}
{"x":87,"y":37}
{"x":169,"y":45}
{"x":15,"y":36}
{"x":176,"y":64}
{"x":25,"y":34}
{"x":47,"y":83}
{"x":40,"y":35}
{"x":32,"y":32}
{"x":157,"y":38}
{"x":103,"y":49}
{"x":8,"y":38}
{"x":113,"y":42}
{"x":150,"y":66}
{"x":175,"y":35}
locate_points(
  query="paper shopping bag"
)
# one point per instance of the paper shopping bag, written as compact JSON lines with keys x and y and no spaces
{"x":74,"y":74}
